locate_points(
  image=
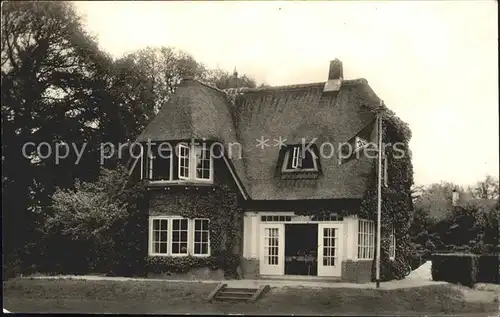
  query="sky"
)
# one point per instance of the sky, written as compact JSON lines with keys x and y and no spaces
{"x":434,"y":63}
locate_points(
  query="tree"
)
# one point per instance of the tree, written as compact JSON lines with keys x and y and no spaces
{"x":485,"y":189}
{"x":158,"y":71}
{"x":161,"y":70}
{"x":223,"y":79}
{"x":59,"y":88}
{"x":436,"y":200}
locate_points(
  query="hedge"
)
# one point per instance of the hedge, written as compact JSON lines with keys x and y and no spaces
{"x":488,"y":269}
{"x":466,"y":269}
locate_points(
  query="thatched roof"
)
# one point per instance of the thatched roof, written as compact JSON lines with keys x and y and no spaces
{"x":291,"y":112}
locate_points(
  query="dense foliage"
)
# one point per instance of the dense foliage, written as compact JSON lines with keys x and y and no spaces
{"x":460,"y":269}
{"x":465,"y":268}
{"x":59,"y":88}
{"x":98,"y":227}
{"x":397,"y":206}
{"x":221,"y":205}
{"x":471,"y":225}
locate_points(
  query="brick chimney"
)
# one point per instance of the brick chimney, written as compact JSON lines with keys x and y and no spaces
{"x":335,"y":76}
{"x":455,"y":196}
{"x":234,"y":79}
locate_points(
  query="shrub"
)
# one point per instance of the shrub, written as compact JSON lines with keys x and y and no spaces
{"x":488,"y":269}
{"x":455,"y":268}
{"x":98,"y":227}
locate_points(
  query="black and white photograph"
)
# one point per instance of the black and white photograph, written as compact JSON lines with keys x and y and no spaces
{"x":250,"y":157}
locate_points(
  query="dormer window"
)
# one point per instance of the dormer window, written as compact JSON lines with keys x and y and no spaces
{"x":359,"y":144}
{"x":299,"y":159}
{"x":185,"y":162}
{"x":159,"y":168}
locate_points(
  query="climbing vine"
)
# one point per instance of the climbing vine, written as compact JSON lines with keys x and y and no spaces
{"x":219,"y":204}
{"x":396,"y":197}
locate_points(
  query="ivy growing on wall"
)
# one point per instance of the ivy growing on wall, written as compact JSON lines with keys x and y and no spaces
{"x":397,"y":205}
{"x":219,"y":204}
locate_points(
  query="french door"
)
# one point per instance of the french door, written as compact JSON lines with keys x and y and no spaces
{"x":330,"y":250}
{"x":272,"y":249}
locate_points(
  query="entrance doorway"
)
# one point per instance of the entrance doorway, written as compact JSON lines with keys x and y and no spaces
{"x":301,"y":249}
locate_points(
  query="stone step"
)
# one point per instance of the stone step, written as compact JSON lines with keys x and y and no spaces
{"x":235,"y":294}
{"x":240,"y":290}
{"x":222,"y":293}
{"x":232,"y":298}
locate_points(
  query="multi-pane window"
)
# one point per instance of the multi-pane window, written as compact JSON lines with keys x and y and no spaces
{"x":176,"y":236}
{"x":202,"y":161}
{"x":330,"y":217}
{"x":160,"y":236}
{"x":187,"y":162}
{"x":298,"y":159}
{"x":271,"y":246}
{"x":179,"y":236}
{"x":183,"y":161}
{"x":392,"y":245}
{"x":201,"y":236}
{"x":366,"y":239}
{"x":275,"y":218}
{"x":329,"y":246}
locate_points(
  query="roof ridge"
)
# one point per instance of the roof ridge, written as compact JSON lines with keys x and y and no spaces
{"x":348,"y":82}
{"x":203,"y":83}
{"x":235,"y":91}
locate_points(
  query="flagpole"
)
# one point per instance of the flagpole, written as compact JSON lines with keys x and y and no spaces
{"x":379,"y":194}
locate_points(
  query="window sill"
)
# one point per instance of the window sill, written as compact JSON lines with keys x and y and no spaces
{"x":179,"y":183}
{"x":179,"y":255}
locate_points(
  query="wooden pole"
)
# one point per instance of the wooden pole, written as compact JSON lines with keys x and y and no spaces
{"x":379,"y":195}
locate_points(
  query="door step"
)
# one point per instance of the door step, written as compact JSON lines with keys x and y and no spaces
{"x":224,"y":293}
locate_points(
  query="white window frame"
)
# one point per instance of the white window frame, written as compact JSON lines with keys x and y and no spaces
{"x":150,"y":236}
{"x":357,"y":140}
{"x":172,"y":237}
{"x":142,"y":162}
{"x":151,"y":168}
{"x":392,"y":245}
{"x":150,"y":165}
{"x":182,"y":157}
{"x":297,"y":160}
{"x":193,"y":164}
{"x":365,"y":240}
{"x":194,"y":237}
{"x":190,"y":237}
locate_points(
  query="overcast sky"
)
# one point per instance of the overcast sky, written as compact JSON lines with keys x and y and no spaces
{"x":434,"y":63}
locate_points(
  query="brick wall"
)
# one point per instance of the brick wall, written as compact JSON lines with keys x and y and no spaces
{"x":357,"y":271}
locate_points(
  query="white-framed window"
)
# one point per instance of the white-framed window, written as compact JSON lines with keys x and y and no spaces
{"x":177,"y":236}
{"x":203,"y":163}
{"x":392,"y":245}
{"x":366,"y":239}
{"x":184,"y":156}
{"x":296,"y":159}
{"x":359,"y":144}
{"x":186,"y":163}
{"x":159,"y":165}
{"x":201,"y":237}
{"x":159,"y":236}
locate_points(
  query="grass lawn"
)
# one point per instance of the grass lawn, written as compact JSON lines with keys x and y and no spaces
{"x":72,"y":296}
